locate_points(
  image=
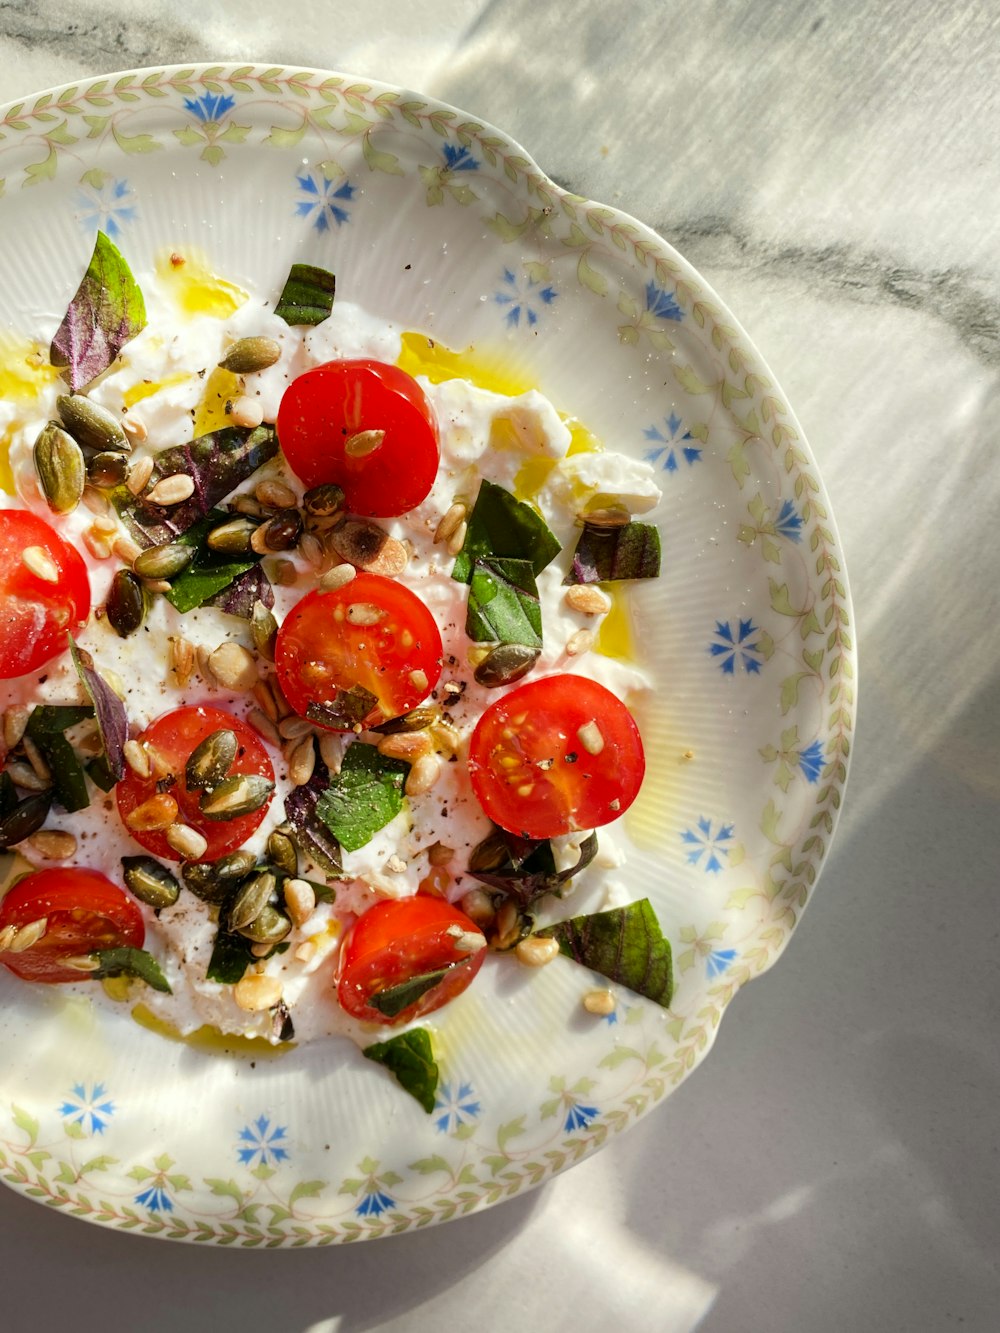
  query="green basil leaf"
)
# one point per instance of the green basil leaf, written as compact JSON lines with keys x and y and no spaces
{"x":217,"y":463}
{"x":394,"y":999}
{"x":409,"y":1057}
{"x":45,"y":727}
{"x":363,"y":797}
{"x":502,"y":527}
{"x":232,"y":955}
{"x":126,"y":962}
{"x":210,"y":572}
{"x":307,"y":296}
{"x":8,"y":794}
{"x":503,"y":603}
{"x":625,"y":945}
{"x":112,"y":719}
{"x":106,"y":313}
{"x":604,"y":555}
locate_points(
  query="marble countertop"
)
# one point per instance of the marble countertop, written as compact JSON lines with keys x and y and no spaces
{"x":832,"y":171}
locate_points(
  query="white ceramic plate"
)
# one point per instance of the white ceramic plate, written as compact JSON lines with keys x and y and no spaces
{"x":443,"y":224}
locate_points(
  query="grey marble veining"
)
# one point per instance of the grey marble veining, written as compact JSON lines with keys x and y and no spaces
{"x":833,"y":170}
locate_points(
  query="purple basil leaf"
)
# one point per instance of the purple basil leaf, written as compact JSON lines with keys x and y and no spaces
{"x":106,"y":313}
{"x":314,"y":838}
{"x":625,"y":945}
{"x":238,"y":599}
{"x":112,"y":720}
{"x":603,"y":555}
{"x":217,"y":463}
{"x":527,"y":870}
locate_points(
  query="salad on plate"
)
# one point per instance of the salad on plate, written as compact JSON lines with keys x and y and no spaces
{"x":312,"y":705}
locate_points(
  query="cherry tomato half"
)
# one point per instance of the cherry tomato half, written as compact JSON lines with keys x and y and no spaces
{"x":324,"y":411}
{"x":36,"y":613}
{"x":532,"y":762}
{"x":372,"y":633}
{"x":85,"y":912}
{"x":174,"y":736}
{"x":423,"y":945}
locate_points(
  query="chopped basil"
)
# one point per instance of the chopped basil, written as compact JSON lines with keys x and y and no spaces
{"x":8,"y":794}
{"x":501,"y":527}
{"x":231,"y":956}
{"x":503,"y":603}
{"x":106,"y":313}
{"x":217,"y":463}
{"x":45,"y":728}
{"x":126,"y":962}
{"x":112,"y":720}
{"x":409,"y":1057}
{"x":624,"y":944}
{"x":524,"y":869}
{"x":348,"y":709}
{"x":210,"y":572}
{"x":313,"y":837}
{"x":239,"y":597}
{"x":604,"y":555}
{"x":307,"y":296}
{"x":394,"y":999}
{"x":363,"y":797}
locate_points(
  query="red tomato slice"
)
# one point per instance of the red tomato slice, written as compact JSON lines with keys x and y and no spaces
{"x":324,"y":408}
{"x":407,"y":941}
{"x":325,"y":647}
{"x":37,"y":613}
{"x":85,"y":912}
{"x":531,"y":761}
{"x":175,"y":736}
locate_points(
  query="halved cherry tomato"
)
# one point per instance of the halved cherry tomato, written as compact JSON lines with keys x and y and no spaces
{"x":174,"y":736}
{"x":425,"y":947}
{"x":323,"y":413}
{"x":372,"y":633}
{"x":36,"y":613}
{"x":84,"y":912}
{"x":532,"y":761}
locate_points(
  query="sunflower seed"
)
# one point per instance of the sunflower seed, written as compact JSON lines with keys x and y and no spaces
{"x":611,"y":516}
{"x":211,"y":760}
{"x":275,"y":495}
{"x":241,"y":794}
{"x":261,"y":723}
{"x":337,"y":577}
{"x":457,"y":539}
{"x":590,"y":737}
{"x":302,"y":762}
{"x":587,"y":599}
{"x":172,"y":490}
{"x":182,"y":659}
{"x":25,"y":776}
{"x":36,"y":760}
{"x":580,"y":642}
{"x":139,"y":475}
{"x":135,"y":427}
{"x":300,"y":900}
{"x":406,"y":745}
{"x":26,"y":818}
{"x":60,"y":467}
{"x":505,"y":664}
{"x":53,"y":844}
{"x":125,"y":549}
{"x":248,"y":355}
{"x":423,"y":774}
{"x":137,"y":758}
{"x":150,"y":882}
{"x":163,"y":562}
{"x":91,"y":425}
{"x":40,"y":563}
{"x":294,"y":728}
{"x":363,"y":443}
{"x":188,"y":842}
{"x":15,"y":719}
{"x":449,"y":522}
{"x":126,"y":604}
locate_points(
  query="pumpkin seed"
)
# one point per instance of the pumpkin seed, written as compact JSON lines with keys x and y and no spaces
{"x":250,"y":900}
{"x":150,"y":882}
{"x":212,"y":759}
{"x":60,"y":467}
{"x":126,"y":604}
{"x":239,"y":795}
{"x":270,"y":927}
{"x":26,"y":818}
{"x":282,"y":852}
{"x":107,"y":468}
{"x":426,"y":715}
{"x":163,"y":562}
{"x":324,"y":501}
{"x":489,"y":854}
{"x":505,"y":664}
{"x":249,"y":355}
{"x":232,"y":538}
{"x":264,"y":630}
{"x":212,"y":881}
{"x":91,"y":425}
